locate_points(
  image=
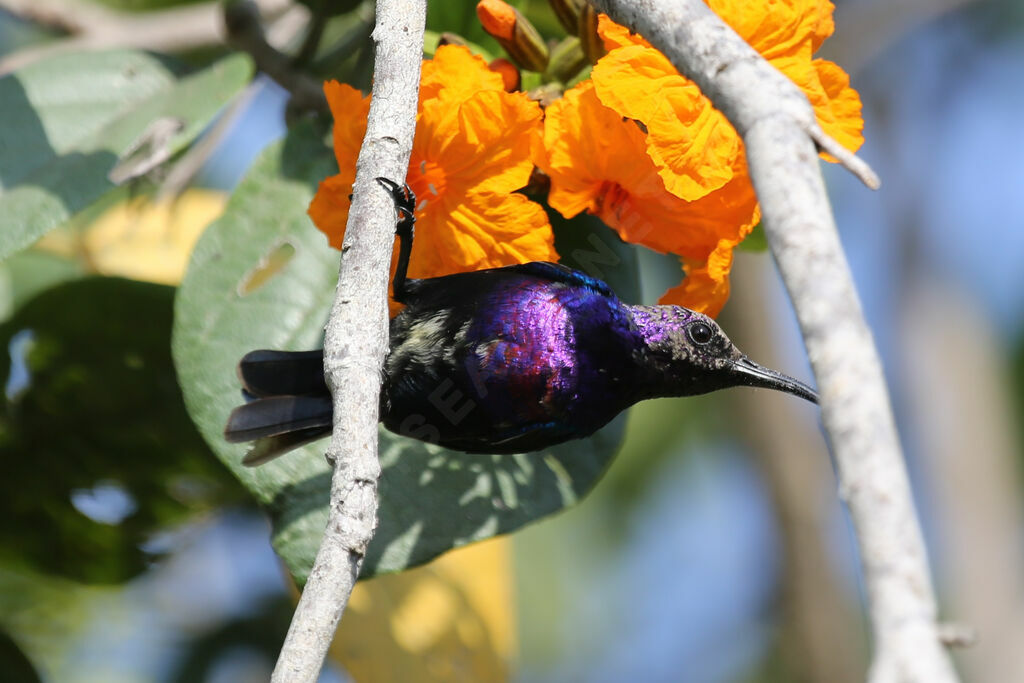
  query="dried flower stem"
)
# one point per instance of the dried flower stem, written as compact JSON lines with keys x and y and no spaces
{"x":356,"y":340}
{"x":777,"y":125}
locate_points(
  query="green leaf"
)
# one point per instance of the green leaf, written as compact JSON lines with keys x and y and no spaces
{"x":431,"y":499}
{"x":67,"y":119}
{"x":756,"y":241}
{"x":99,"y":454}
{"x":457,"y":16}
{"x":27,"y":273}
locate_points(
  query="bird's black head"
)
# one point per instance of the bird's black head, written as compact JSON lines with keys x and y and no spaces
{"x":687,"y":353}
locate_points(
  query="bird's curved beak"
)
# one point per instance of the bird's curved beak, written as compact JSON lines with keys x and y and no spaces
{"x":748,"y":373}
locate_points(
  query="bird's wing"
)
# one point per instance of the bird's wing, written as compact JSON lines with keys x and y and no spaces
{"x":556,"y":272}
{"x":485,"y":280}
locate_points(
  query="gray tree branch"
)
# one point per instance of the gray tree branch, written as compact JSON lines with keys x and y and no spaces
{"x":244,"y":28}
{"x":356,"y":340}
{"x":93,"y":27}
{"x":776,"y":123}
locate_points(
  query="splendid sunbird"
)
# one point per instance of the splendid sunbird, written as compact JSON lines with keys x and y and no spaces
{"x":503,"y":360}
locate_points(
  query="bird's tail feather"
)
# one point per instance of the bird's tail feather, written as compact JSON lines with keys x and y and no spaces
{"x":288,"y":403}
{"x":283,"y":373}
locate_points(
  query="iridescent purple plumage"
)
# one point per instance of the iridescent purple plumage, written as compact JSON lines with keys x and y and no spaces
{"x":535,"y":354}
{"x":505,"y":360}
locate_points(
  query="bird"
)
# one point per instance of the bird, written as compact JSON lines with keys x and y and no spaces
{"x":501,"y":361}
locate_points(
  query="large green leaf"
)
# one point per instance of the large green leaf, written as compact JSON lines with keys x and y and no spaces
{"x":431,"y":499}
{"x":99,"y":454}
{"x":67,"y":119}
{"x":29,"y":272}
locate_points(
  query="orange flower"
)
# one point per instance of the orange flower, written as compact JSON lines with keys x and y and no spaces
{"x":643,"y":149}
{"x":471,"y":152}
{"x":706,"y":286}
{"x":597,"y":163}
{"x":692,"y":143}
{"x":498,"y":18}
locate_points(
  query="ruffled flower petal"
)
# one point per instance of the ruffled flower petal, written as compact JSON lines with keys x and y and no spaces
{"x":839,"y":110}
{"x":481,"y":230}
{"x":705,"y":288}
{"x":596,"y":163}
{"x":454,"y":74}
{"x":688,"y":192}
{"x":589,"y":150}
{"x":778,"y":27}
{"x":474,"y":147}
{"x":691,"y":143}
{"x":330,"y":205}
{"x":349,"y":107}
{"x":615,"y":35}
{"x":486,"y":140}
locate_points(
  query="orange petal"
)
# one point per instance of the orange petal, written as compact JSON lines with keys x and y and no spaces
{"x":787,"y":32}
{"x":597,"y":162}
{"x":615,"y":35}
{"x":587,"y":146}
{"x":691,"y":229}
{"x":691,"y":143}
{"x":454,"y":74}
{"x":839,"y":111}
{"x":349,"y":107}
{"x":496,"y":131}
{"x":705,"y":288}
{"x":481,"y":230}
{"x":329,"y":208}
{"x":484,"y":143}
{"x":468,"y":156}
{"x":824,"y":25}
{"x":779,"y":27}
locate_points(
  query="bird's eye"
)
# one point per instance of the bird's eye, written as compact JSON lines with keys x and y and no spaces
{"x":700,"y":333}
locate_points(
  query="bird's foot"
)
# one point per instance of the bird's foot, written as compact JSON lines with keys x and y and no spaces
{"x":405,"y":202}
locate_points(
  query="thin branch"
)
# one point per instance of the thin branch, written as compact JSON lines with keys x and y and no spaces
{"x":314,"y":33}
{"x":245,"y":32}
{"x":191,"y":162}
{"x":853,"y":163}
{"x":774,"y":117}
{"x":356,"y":340}
{"x":94,"y":27}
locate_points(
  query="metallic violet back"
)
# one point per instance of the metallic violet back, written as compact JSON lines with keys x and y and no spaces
{"x":533,"y":355}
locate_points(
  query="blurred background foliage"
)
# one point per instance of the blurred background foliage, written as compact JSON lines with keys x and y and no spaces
{"x":714,"y":548}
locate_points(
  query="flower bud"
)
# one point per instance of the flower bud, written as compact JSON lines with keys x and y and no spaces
{"x":510,"y":76}
{"x":516,"y":34}
{"x":568,"y":13}
{"x":590,"y":41}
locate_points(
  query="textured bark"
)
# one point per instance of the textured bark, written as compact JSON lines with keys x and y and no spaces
{"x":356,"y":340}
{"x":782,"y":139}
